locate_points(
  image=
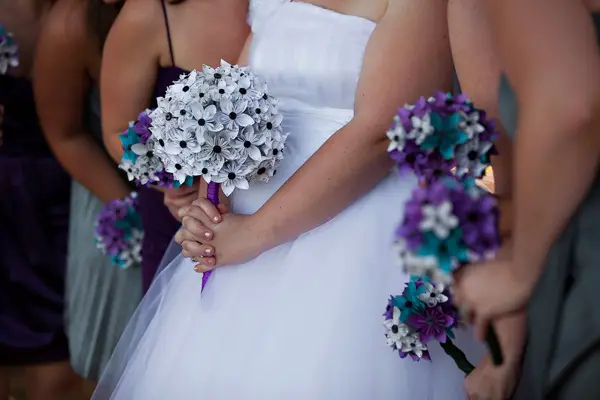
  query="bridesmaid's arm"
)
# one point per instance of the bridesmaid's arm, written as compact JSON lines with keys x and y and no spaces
{"x":61,"y":85}
{"x":477,"y":65}
{"x":556,"y":76}
{"x":129,"y":67}
{"x":397,"y":69}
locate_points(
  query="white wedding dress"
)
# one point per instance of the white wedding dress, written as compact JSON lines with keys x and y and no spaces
{"x":302,"y":321}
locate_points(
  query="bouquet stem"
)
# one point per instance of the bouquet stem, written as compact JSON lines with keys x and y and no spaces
{"x":493,"y":345}
{"x":212,"y":194}
{"x":458,"y":356}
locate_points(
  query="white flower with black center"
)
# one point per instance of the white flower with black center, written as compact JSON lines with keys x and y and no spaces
{"x":245,"y":92}
{"x":271,"y":125}
{"x":184,"y":144}
{"x":126,"y":259}
{"x":421,"y":128}
{"x":216,"y":150}
{"x":202,"y":93}
{"x":438,"y":218}
{"x":433,"y":295}
{"x":204,"y":168}
{"x":178,"y":167}
{"x":166,"y":115}
{"x":248,"y":144}
{"x":397,"y":136}
{"x":133,"y":171}
{"x":259,"y":110}
{"x":223,"y":91}
{"x":263,"y":172}
{"x":470,"y":157}
{"x":212,"y":75}
{"x":232,"y":115}
{"x":470,"y":124}
{"x":273,"y":150}
{"x":412,"y":344}
{"x":395,"y":330}
{"x":9,"y":54}
{"x":204,"y":119}
{"x":232,"y":176}
{"x":183,"y":90}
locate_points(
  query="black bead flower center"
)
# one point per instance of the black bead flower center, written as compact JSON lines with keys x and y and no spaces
{"x":247,"y":144}
{"x":232,"y":115}
{"x":200,"y":94}
{"x":185,"y":88}
{"x":265,"y":96}
{"x":218,"y":75}
{"x":182,"y":112}
{"x":396,"y":138}
{"x":169,"y":116}
{"x":408,"y":304}
{"x":275,"y":152}
{"x":221,"y":91}
{"x":432,"y":295}
{"x":243,"y":91}
{"x":410,"y":158}
{"x":178,"y":166}
{"x":269,"y":126}
{"x":161,"y":142}
{"x":449,"y":102}
{"x":183,"y":144}
{"x":204,"y":171}
{"x":394,"y":328}
{"x":217,"y":149}
{"x":149,"y":154}
{"x":201,"y":122}
{"x":472,"y":155}
{"x":473,"y":217}
{"x":261,"y":171}
{"x":231,"y":176}
{"x":258,"y":111}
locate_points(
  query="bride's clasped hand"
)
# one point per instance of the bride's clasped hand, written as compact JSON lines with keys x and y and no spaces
{"x":214,"y":237}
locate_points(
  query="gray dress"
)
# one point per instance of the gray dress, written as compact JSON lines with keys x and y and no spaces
{"x":100,"y":297}
{"x":562,"y":358}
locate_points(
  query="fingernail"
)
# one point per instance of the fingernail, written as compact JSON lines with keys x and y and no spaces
{"x":207,"y":251}
{"x":216,"y":219}
{"x":197,"y":268}
{"x":207,"y":235}
{"x":182,"y":211}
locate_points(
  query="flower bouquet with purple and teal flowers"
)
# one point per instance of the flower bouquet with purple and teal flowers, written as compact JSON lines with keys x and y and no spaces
{"x":424,"y":312}
{"x":442,"y":135}
{"x":9,"y":51}
{"x":139,"y":160}
{"x":448,"y":223}
{"x":119,"y":232}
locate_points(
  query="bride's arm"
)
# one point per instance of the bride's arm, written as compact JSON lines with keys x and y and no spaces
{"x":407,"y":56}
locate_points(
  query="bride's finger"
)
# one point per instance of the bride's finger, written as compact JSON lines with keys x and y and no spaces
{"x":208,"y":209}
{"x":196,"y":228}
{"x":197,"y":249}
{"x":206,"y":264}
{"x":183,"y":235}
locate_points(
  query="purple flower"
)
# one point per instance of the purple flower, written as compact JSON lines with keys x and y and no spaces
{"x":448,"y":104}
{"x":389,"y":309}
{"x":141,"y":127}
{"x":165,"y":179}
{"x":432,"y":323}
{"x":478,"y":221}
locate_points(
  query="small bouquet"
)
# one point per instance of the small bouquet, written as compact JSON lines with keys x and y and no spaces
{"x":449,"y":223}
{"x":422,"y":313}
{"x":119,"y":231}
{"x":441,"y":135}
{"x":9,"y":51}
{"x":139,"y":159}
{"x":221,"y":124}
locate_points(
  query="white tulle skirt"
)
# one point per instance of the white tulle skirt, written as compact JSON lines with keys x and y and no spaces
{"x":302,"y":321}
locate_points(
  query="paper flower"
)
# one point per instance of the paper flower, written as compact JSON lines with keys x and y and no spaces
{"x":9,"y":51}
{"x":119,"y":232}
{"x":434,"y":136}
{"x":447,"y":223}
{"x":140,"y":161}
{"x":220,"y":124}
{"x":432,"y":317}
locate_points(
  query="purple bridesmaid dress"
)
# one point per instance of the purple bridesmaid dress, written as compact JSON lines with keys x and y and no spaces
{"x":34,"y":218}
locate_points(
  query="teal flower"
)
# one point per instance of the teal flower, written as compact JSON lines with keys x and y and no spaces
{"x":128,"y":139}
{"x":189,"y":181}
{"x":449,"y":251}
{"x":409,"y":303}
{"x":447,"y":135}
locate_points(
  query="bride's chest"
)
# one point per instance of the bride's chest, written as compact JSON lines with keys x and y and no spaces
{"x":311,"y":55}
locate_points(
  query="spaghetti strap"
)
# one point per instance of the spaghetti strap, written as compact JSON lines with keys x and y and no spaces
{"x":164,"y":8}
